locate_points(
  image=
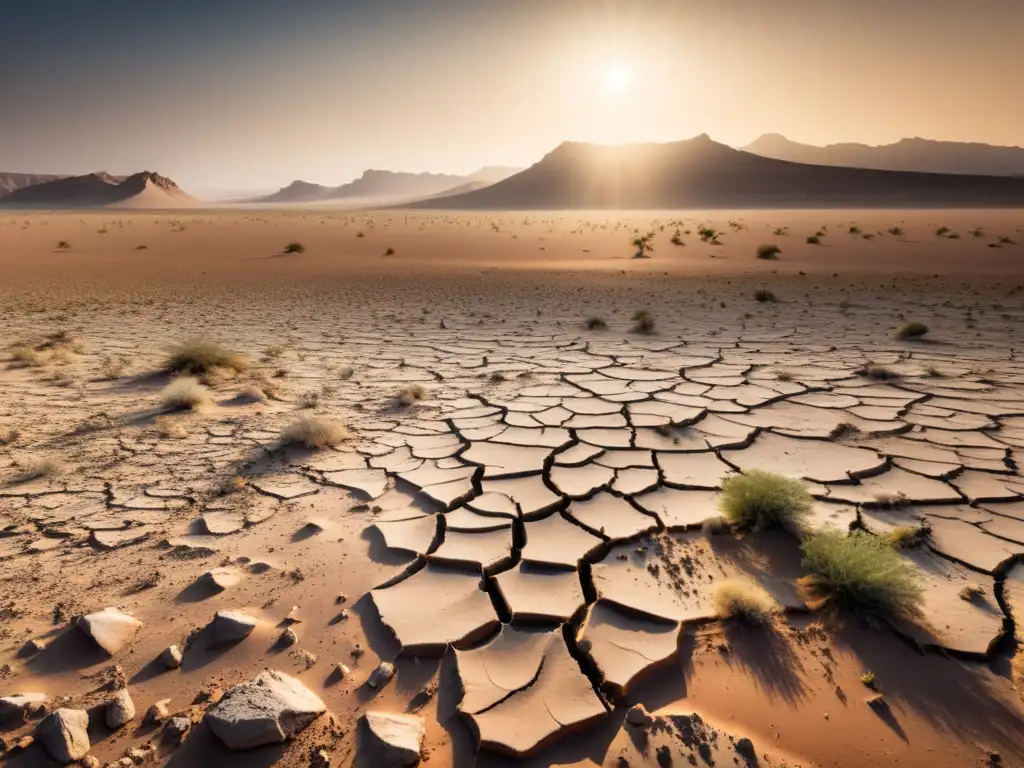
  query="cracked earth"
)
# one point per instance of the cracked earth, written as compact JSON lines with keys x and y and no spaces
{"x":528,"y":543}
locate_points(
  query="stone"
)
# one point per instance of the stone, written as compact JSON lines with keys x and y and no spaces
{"x":176,"y":730}
{"x":65,"y":735}
{"x":342,"y":670}
{"x":90,"y":762}
{"x":639,"y":717}
{"x":288,"y":638}
{"x":120,"y":710}
{"x":171,"y":657}
{"x":382,"y":675}
{"x":221,"y":578}
{"x":18,"y":707}
{"x":397,"y":738}
{"x":231,"y":627}
{"x":158,"y":712}
{"x":268,"y":709}
{"x":110,"y":628}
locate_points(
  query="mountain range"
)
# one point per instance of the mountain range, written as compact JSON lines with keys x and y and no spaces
{"x":702,"y":173}
{"x":10,"y":182}
{"x":381,"y":185}
{"x":102,"y":190}
{"x":922,"y":155}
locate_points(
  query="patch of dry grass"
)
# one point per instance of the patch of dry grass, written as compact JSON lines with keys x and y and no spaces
{"x":185,"y":393}
{"x":758,"y":499}
{"x":170,"y":428}
{"x":197,"y":356}
{"x":736,"y":598}
{"x":315,"y":432}
{"x":35,"y":467}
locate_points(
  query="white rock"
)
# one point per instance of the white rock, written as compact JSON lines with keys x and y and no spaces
{"x":382,"y":675}
{"x":398,"y":739}
{"x":65,"y":735}
{"x":231,"y":627}
{"x":266,"y":710}
{"x":18,"y":706}
{"x":120,"y":709}
{"x":171,"y":657}
{"x":159,"y":711}
{"x":221,"y":578}
{"x":110,"y":628}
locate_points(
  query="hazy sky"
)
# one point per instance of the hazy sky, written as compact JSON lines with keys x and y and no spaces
{"x":251,"y":94}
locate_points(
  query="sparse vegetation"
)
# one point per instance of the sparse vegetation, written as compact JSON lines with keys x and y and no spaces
{"x":868,"y":679}
{"x":63,"y":245}
{"x":862,"y":572}
{"x":643,"y":322}
{"x":759,"y":499}
{"x":113,"y":368}
{"x":411,"y":393}
{"x":971,"y":593}
{"x":141,"y":247}
{"x":896,"y":231}
{"x":907,"y":536}
{"x":198,"y":356}
{"x":9,"y":435}
{"x":294,"y":248}
{"x":942,"y":231}
{"x":677,"y":238}
{"x":1007,"y":241}
{"x":36,"y":467}
{"x":872,"y":370}
{"x":735,"y":598}
{"x":595,"y":324}
{"x":813,"y":240}
{"x":911,"y":330}
{"x":644,"y":246}
{"x":24,"y":356}
{"x":764,"y":295}
{"x":781,"y":232}
{"x":768,"y":251}
{"x":170,"y":427}
{"x":855,"y":230}
{"x":389,"y":252}
{"x":314,"y":432}
{"x":183,"y":393}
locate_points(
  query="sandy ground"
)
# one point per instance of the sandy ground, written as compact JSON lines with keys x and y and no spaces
{"x":537,"y":441}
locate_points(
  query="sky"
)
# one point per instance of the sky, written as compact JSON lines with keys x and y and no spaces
{"x":225,"y":95}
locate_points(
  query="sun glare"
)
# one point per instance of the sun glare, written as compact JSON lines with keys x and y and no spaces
{"x":616,"y":78}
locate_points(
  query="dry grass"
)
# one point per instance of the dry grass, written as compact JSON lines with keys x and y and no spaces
{"x":877,"y":372}
{"x":758,"y":499}
{"x":201,"y":357}
{"x":170,"y":428}
{"x":185,"y":393}
{"x":907,"y":536}
{"x":113,"y":368}
{"x":911,"y":330}
{"x":35,"y":467}
{"x":314,"y":432}
{"x":643,"y":322}
{"x":9,"y":435}
{"x":595,"y":324}
{"x":24,"y":356}
{"x":410,"y":394}
{"x":768,"y":251}
{"x":862,"y":572}
{"x":735,"y":598}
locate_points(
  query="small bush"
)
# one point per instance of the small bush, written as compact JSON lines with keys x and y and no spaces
{"x":813,"y":240}
{"x":855,"y":230}
{"x":113,"y":368}
{"x":758,"y":499}
{"x":907,"y":536}
{"x":862,"y":572}
{"x":878,"y":372}
{"x":412,"y":393}
{"x":63,"y":245}
{"x":781,"y":232}
{"x":24,"y":356}
{"x":389,"y":252}
{"x":1007,"y":241}
{"x":185,"y":393}
{"x":763,"y":295}
{"x":971,"y":593}
{"x":39,"y":466}
{"x":295,"y":248}
{"x":141,"y":247}
{"x":9,"y":435}
{"x":595,"y":324}
{"x":911,"y":330}
{"x":315,"y":432}
{"x":868,"y":679}
{"x":896,"y":231}
{"x":942,"y":231}
{"x":768,"y":251}
{"x":735,"y":598}
{"x":198,"y":356}
{"x":643,"y":322}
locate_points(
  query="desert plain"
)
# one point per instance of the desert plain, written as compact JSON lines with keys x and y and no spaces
{"x":516,"y":514}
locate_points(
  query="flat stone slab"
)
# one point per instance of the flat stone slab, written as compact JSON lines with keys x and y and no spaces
{"x":110,"y":628}
{"x":396,"y":739}
{"x":537,"y":593}
{"x":269,"y":709}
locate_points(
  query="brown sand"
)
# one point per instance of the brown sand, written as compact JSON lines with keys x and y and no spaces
{"x":463,"y":297}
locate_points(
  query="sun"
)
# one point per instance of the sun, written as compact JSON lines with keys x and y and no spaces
{"x":616,"y":78}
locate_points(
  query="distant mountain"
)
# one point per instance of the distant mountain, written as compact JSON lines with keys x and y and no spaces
{"x":701,"y":173}
{"x":923,"y":155}
{"x":392,"y":186}
{"x":101,"y":190}
{"x":9,"y":182}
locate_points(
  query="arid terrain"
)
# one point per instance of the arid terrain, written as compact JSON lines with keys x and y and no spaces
{"x":517,"y":516}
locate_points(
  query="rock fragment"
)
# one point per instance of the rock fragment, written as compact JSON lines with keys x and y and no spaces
{"x":382,"y":675}
{"x":65,"y":735}
{"x":120,"y":710}
{"x":171,"y":657}
{"x":19,"y":707}
{"x":231,"y":627}
{"x":396,"y":739}
{"x":110,"y":628}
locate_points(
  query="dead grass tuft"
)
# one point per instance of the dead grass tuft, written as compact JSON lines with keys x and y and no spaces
{"x":185,"y":393}
{"x":735,"y":598}
{"x":200,"y":357}
{"x":411,"y":394}
{"x":314,"y":432}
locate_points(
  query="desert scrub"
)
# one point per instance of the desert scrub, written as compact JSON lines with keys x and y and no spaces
{"x":170,"y":428}
{"x":813,"y":240}
{"x":113,"y":368}
{"x":862,"y":572}
{"x":36,"y":467}
{"x":764,"y":295}
{"x":907,"y":536}
{"x":768,"y":251}
{"x":314,"y":432}
{"x":595,"y":324}
{"x":294,"y":248}
{"x":63,"y":245}
{"x":185,"y":393}
{"x":413,"y":393}
{"x":736,"y":598}
{"x":911,"y":330}
{"x":198,"y":356}
{"x":643,"y":322}
{"x":24,"y":356}
{"x":758,"y":499}
{"x":872,"y":370}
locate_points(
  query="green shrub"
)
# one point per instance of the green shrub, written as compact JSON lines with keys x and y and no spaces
{"x":862,"y":572}
{"x":736,"y":598}
{"x":759,"y":499}
{"x":911,"y":330}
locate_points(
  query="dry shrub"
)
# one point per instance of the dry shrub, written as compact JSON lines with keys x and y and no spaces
{"x":24,"y":356}
{"x":35,"y":467}
{"x":911,"y":330}
{"x":252,"y":394}
{"x":184,"y":393}
{"x":199,"y":357}
{"x":736,"y":598}
{"x":863,"y":572}
{"x":315,"y":432}
{"x":113,"y":368}
{"x":170,"y":428}
{"x":411,"y":393}
{"x":758,"y":499}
